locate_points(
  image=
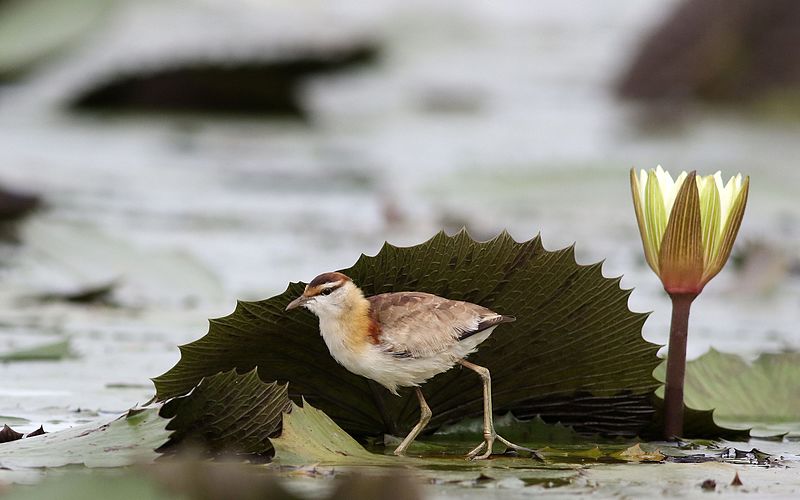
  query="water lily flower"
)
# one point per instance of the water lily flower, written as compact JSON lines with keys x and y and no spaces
{"x":687,"y":228}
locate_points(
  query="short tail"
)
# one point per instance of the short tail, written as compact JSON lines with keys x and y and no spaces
{"x":486,"y":323}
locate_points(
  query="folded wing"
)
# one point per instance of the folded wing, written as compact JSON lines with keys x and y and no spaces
{"x":418,"y":324}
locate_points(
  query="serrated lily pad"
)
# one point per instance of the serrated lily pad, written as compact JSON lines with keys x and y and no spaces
{"x":574,"y":355}
{"x":228,"y":413}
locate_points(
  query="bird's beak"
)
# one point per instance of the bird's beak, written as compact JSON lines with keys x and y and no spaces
{"x":299,"y":301}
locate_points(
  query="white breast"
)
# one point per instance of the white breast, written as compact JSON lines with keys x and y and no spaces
{"x":392,"y":371}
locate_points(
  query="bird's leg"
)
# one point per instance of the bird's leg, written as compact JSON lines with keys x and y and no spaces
{"x":489,"y":434}
{"x":424,"y":416}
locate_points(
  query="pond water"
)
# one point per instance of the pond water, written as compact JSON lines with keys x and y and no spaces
{"x":484,"y":115}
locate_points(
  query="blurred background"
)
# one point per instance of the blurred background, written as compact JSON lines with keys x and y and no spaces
{"x":161,"y":158}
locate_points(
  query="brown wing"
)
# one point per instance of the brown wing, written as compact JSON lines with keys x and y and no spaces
{"x":420,"y":324}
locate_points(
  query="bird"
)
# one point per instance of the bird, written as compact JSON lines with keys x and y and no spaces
{"x":402,"y":339}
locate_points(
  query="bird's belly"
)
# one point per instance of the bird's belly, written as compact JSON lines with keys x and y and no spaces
{"x":389,"y":370}
{"x":398,"y":371}
{"x":392,"y":371}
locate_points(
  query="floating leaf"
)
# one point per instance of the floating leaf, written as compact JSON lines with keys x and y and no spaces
{"x":53,"y":351}
{"x":196,"y":480}
{"x":125,"y":440}
{"x":697,"y":424}
{"x":574,"y":355}
{"x":533,"y":431}
{"x":78,"y":262}
{"x":228,"y":413}
{"x":92,"y":294}
{"x":119,"y":486}
{"x":764,"y":391}
{"x":32,"y":30}
{"x":6,"y":419}
{"x":310,"y":436}
{"x":636,"y":454}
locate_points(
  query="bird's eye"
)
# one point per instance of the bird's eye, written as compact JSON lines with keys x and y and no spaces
{"x":327,"y":291}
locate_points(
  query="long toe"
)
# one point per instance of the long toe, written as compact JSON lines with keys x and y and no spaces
{"x":472,"y":454}
{"x":486,"y":454}
{"x":534,"y":454}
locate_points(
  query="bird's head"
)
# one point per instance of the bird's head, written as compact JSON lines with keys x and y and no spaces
{"x":327,"y":295}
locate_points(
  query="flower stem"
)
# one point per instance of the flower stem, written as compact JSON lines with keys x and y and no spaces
{"x":676,"y":364}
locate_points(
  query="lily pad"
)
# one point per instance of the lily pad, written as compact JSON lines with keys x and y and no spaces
{"x":33,"y":30}
{"x":533,"y":431}
{"x":309,"y":436}
{"x":697,"y":424}
{"x":53,"y":351}
{"x":636,"y":454}
{"x":123,"y":441}
{"x":6,"y":419}
{"x":574,"y":355}
{"x":228,"y":413}
{"x":126,"y":486}
{"x":762,"y":392}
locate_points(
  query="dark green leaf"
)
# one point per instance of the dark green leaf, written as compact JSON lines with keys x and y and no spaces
{"x":530,"y":432}
{"x":228,"y":413}
{"x":574,"y":355}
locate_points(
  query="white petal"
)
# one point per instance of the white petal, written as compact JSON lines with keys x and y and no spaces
{"x":642,"y":184}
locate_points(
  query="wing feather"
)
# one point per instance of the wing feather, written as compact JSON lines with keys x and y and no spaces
{"x":416,"y":324}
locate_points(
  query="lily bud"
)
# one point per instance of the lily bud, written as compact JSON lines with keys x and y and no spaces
{"x":688,"y":225}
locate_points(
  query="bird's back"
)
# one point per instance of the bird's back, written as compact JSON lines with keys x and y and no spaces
{"x":418,"y":325}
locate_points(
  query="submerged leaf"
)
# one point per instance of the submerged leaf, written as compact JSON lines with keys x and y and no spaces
{"x":228,"y":413}
{"x":574,"y":355}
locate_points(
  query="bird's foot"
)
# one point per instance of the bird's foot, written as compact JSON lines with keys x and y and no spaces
{"x":486,"y":447}
{"x":486,"y":444}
